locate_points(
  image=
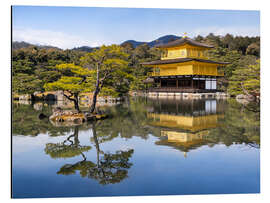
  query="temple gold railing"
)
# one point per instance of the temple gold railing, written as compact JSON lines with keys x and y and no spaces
{"x":155,"y":74}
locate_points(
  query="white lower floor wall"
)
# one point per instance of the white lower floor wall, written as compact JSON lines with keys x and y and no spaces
{"x":211,"y":85}
{"x":217,"y":95}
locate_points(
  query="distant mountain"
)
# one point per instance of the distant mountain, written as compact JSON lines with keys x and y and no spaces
{"x":162,"y":40}
{"x":134,"y":43}
{"x":19,"y":45}
{"x":83,"y":48}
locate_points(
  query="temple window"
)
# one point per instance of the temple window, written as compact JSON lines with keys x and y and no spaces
{"x":182,"y":53}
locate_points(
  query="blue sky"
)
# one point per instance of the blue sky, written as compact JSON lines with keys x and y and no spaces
{"x":68,"y":27}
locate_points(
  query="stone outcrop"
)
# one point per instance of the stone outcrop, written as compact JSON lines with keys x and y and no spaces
{"x":26,"y":97}
{"x":71,"y":117}
{"x":245,"y":99}
{"x":67,"y":116}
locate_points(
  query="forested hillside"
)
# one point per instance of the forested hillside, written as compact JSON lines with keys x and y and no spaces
{"x":34,"y":66}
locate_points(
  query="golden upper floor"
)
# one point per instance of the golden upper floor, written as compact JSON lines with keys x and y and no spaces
{"x":184,"y":52}
{"x":187,"y":68}
{"x":185,"y":57}
{"x":184,"y":48}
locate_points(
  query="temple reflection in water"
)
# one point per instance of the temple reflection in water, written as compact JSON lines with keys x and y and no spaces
{"x":185,"y":124}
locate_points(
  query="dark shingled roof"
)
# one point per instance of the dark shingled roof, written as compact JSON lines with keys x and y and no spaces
{"x":180,"y":60}
{"x":183,"y":40}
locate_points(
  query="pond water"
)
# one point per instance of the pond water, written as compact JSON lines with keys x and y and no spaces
{"x":146,"y":147}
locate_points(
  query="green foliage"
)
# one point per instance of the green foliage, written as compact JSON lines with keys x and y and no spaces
{"x":74,"y":80}
{"x":142,"y":53}
{"x":236,"y":43}
{"x":76,"y":83}
{"x":253,"y":49}
{"x":37,"y":66}
{"x":26,"y":84}
{"x":109,"y":68}
{"x":246,"y":80}
{"x":228,"y":51}
{"x":225,"y":55}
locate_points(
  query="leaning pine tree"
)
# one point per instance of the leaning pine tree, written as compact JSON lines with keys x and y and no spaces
{"x":111,"y":74}
{"x":75,"y":80}
{"x":105,"y":70}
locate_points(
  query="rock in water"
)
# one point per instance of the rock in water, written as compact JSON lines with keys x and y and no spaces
{"x":68,"y":116}
{"x":42,"y":116}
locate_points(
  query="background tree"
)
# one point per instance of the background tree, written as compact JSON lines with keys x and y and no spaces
{"x":246,"y":80}
{"x":142,"y":53}
{"x":26,"y":84}
{"x":110,"y":70}
{"x":32,"y":67}
{"x":253,"y":49}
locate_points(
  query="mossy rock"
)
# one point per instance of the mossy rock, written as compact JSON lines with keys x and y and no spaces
{"x":68,"y":116}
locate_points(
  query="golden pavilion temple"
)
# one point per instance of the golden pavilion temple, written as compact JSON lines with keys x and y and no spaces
{"x":184,"y":67}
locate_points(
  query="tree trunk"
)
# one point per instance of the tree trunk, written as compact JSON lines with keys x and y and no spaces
{"x":32,"y":97}
{"x":99,"y":85}
{"x":76,"y":102}
{"x":94,"y":100}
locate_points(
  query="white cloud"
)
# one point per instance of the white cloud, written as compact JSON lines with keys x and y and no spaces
{"x":53,"y":38}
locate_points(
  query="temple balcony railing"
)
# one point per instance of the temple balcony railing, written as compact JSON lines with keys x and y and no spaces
{"x":156,"y":74}
{"x":182,"y":90}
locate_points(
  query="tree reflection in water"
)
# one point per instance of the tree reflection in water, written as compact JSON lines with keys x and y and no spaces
{"x":109,"y":168}
{"x":68,"y":148}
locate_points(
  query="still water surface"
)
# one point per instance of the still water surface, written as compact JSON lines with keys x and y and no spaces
{"x":146,"y":147}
